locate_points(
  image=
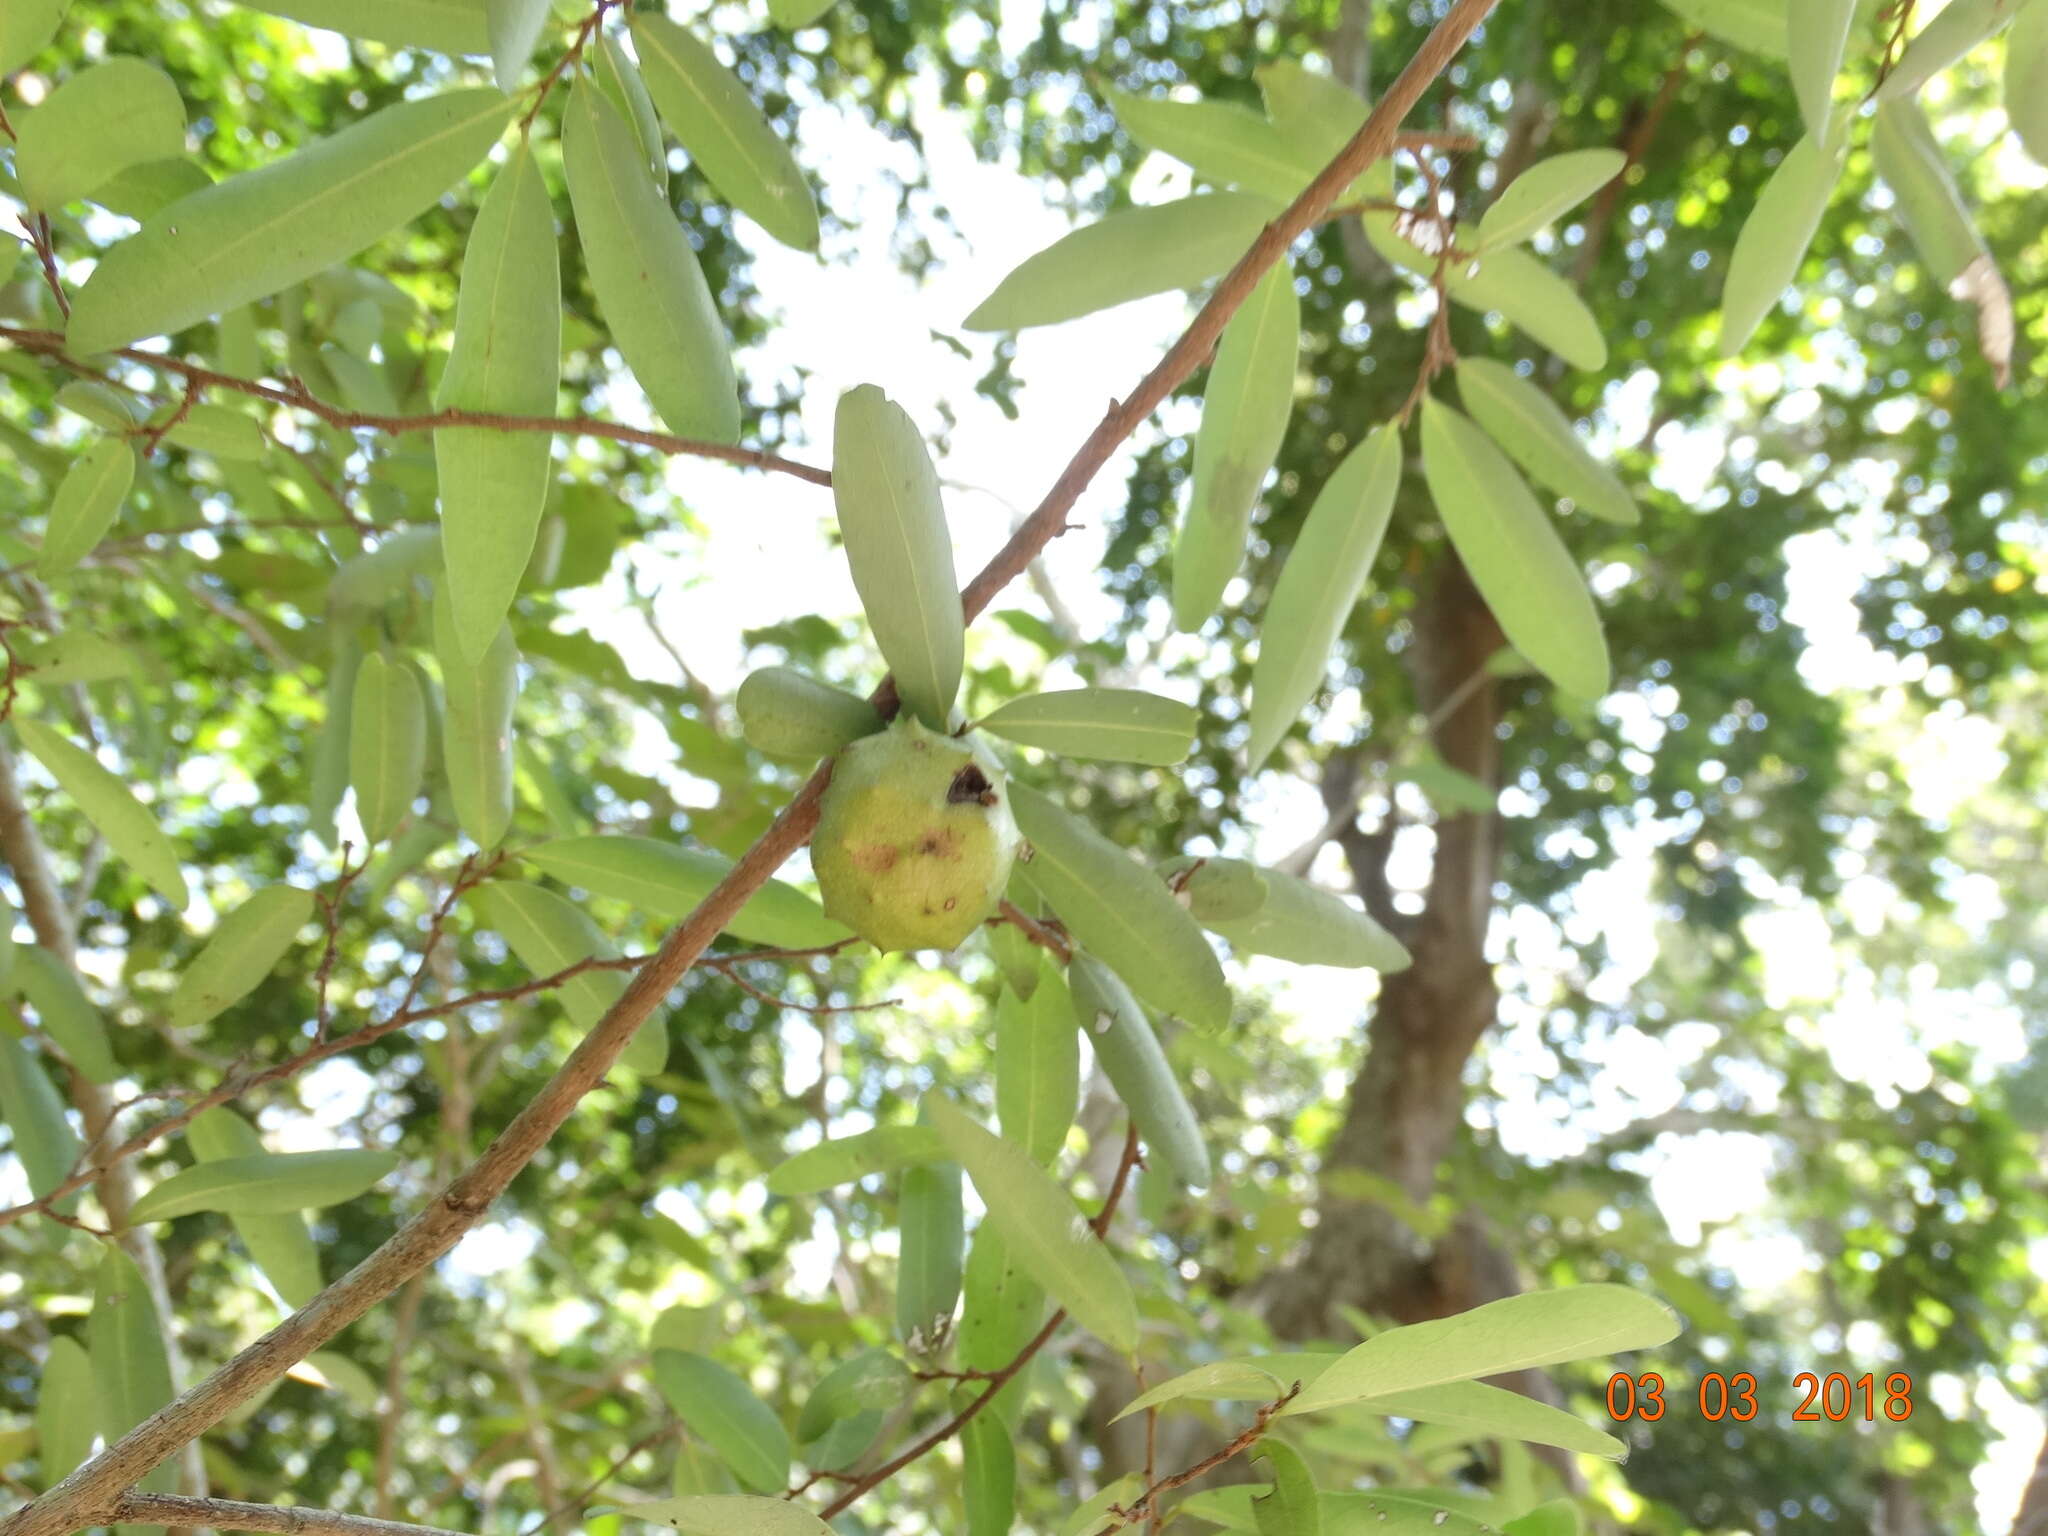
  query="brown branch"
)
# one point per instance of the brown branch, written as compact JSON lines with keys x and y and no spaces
{"x":1145,"y":1506}
{"x":442,"y":1223}
{"x":298,"y":397}
{"x":234,"y":1515}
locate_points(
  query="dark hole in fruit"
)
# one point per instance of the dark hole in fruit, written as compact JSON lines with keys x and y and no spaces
{"x":970,"y":786}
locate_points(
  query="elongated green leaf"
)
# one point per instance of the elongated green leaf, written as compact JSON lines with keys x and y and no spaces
{"x":1219,"y":890}
{"x":1539,"y":1328}
{"x":1954,"y":30}
{"x":932,"y":1223}
{"x":100,"y":404}
{"x":1418,"y":1512}
{"x":1290,"y":1507}
{"x":67,"y":1409}
{"x":1127,"y":255}
{"x":104,"y":801}
{"x":279,"y":1243}
{"x":2025,"y":85}
{"x":43,"y":1138}
{"x":1252,"y":1379}
{"x":622,"y":85}
{"x":721,"y":1408}
{"x":125,"y":1338}
{"x":77,"y":656}
{"x":1092,"y":1514}
{"x":646,"y":278}
{"x":1555,"y":1517}
{"x":1774,"y":238}
{"x":893,"y":521}
{"x":732,"y":142}
{"x":988,"y":1476}
{"x":221,"y":431}
{"x":476,"y":726}
{"x":1224,"y":143}
{"x":514,"y":27}
{"x":1016,"y":956}
{"x":1815,"y":34}
{"x":445,"y":26}
{"x":1120,"y":912}
{"x":506,"y":359}
{"x":1038,"y":1068}
{"x":787,"y":714}
{"x":872,"y":1379}
{"x":1042,"y":1228}
{"x":1005,"y":1306}
{"x":1545,"y":190}
{"x":66,"y":1014}
{"x":550,"y":933}
{"x":86,"y":505}
{"x":387,"y":744}
{"x":1524,"y":421}
{"x":667,"y":882}
{"x":1320,"y":114}
{"x":1319,"y":585}
{"x":26,"y":28}
{"x":1535,"y":301}
{"x":1130,"y":1056}
{"x":792,"y":14}
{"x":1758,"y":25}
{"x":1515,"y":557}
{"x":266,"y":1183}
{"x":244,"y":949}
{"x":1244,"y":418}
{"x":95,"y":125}
{"x":844,"y":1159}
{"x":1497,"y":1411}
{"x":724,"y":1514}
{"x":329,"y":779}
{"x":257,"y":232}
{"x":1122,"y":725}
{"x":8,"y":984}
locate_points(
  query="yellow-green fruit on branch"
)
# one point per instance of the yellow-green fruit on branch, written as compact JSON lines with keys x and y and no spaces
{"x":915,"y":837}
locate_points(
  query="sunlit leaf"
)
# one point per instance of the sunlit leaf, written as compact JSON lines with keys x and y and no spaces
{"x":1950,"y":33}
{"x":621,"y":82}
{"x":219,"y":430}
{"x":1319,"y":585}
{"x":67,"y":1409}
{"x":26,"y":28}
{"x":514,"y":27}
{"x":65,"y":1013}
{"x":988,"y":1476}
{"x":720,"y":1407}
{"x":387,"y":744}
{"x":476,"y":726}
{"x":253,"y":234}
{"x":1290,"y":1507}
{"x":1526,"y":422}
{"x":787,"y":713}
{"x":1130,"y":1056}
{"x":1038,"y":1068}
{"x":1497,"y":1412}
{"x":112,"y":809}
{"x":265,"y":1183}
{"x":667,"y":882}
{"x":844,"y":1159}
{"x":1774,"y":238}
{"x":279,"y":1243}
{"x":242,"y":951}
{"x":1547,"y":189}
{"x":97,"y":123}
{"x":445,"y":26}
{"x":29,"y":1105}
{"x":86,"y":504}
{"x":872,"y":1379}
{"x":1222,"y":142}
{"x":125,"y":1337}
{"x":733,"y":143}
{"x":1556,"y":1517}
{"x":1042,"y":1228}
{"x":932,"y":1232}
{"x":1124,"y":725}
{"x":1758,"y":25}
{"x":724,"y":1514}
{"x":2025,"y":85}
{"x":1244,"y":418}
{"x":1816,"y":32}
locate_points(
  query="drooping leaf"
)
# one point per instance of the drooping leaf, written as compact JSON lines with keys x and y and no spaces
{"x":1092,"y":1514}
{"x":1244,"y":417}
{"x":43,"y":1139}
{"x":622,"y":84}
{"x":1319,"y":114}
{"x":549,"y":933}
{"x":101,"y":404}
{"x":76,"y":656}
{"x":280,"y":1244}
{"x":1122,"y":725}
{"x":1124,"y":256}
{"x":1291,"y":1506}
{"x":97,"y":123}
{"x":648,"y":284}
{"x":506,"y":359}
{"x":343,"y":1375}
{"x":329,"y":779}
{"x":1953,"y":31}
{"x":792,"y":14}
{"x":1421,"y":1512}
{"x":1016,"y":957}
{"x":733,"y":143}
{"x":932,"y":1226}
{"x":1257,"y":1378}
{"x":786,"y":713}
{"x":1514,"y":555}
{"x":219,"y":430}
{"x":1554,"y":1517}
{"x":1121,"y":913}
{"x":1041,"y":1227}
{"x":1038,"y":1068}
{"x":1816,"y":32}
{"x":1131,"y":1058}
{"x":1548,"y":188}
{"x":65,"y":1013}
{"x":113,"y":811}
{"x":1503,"y":279}
{"x":872,"y":1379}
{"x":722,"y":1409}
{"x":724,"y":1514}
{"x":67,"y":1409}
{"x":243,"y":950}
{"x":514,"y":27}
{"x":893,"y":521}
{"x":1496,"y":1411}
{"x":1526,"y":422}
{"x":1775,"y":236}
{"x":1537,"y":1328}
{"x":1319,"y":585}
{"x":667,"y":882}
{"x":1004,"y":1307}
{"x":476,"y":726}
{"x":26,"y":28}
{"x":844,"y":1159}
{"x":1757,"y":25}
{"x":266,"y":1183}
{"x":1222,"y":142}
{"x":125,"y":1339}
{"x":445,"y":26}
{"x":2024,"y":89}
{"x":387,"y":744}
{"x":255,"y":233}
{"x":86,"y":504}
{"x":988,"y":1476}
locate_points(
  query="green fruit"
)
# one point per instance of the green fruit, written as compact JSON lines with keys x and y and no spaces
{"x":915,"y":837}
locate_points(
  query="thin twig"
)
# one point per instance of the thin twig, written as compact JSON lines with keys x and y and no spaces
{"x":233,"y":1515}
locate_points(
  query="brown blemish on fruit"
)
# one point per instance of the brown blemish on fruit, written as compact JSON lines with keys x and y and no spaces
{"x":970,"y":786}
{"x":943,"y":843}
{"x":875,"y":858}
